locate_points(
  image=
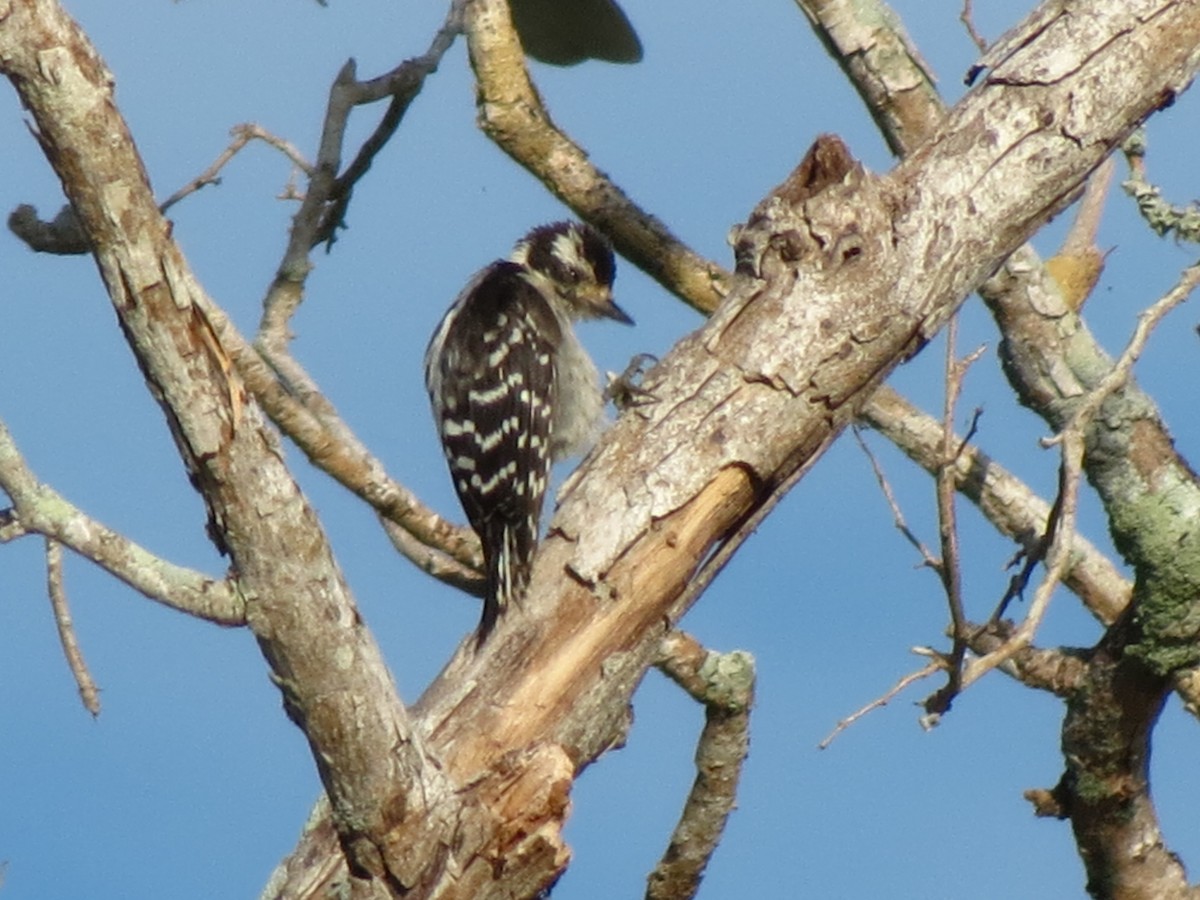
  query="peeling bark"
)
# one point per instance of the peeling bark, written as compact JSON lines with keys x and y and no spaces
{"x":842,"y":276}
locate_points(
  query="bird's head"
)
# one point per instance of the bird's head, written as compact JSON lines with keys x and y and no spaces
{"x":576,"y":262}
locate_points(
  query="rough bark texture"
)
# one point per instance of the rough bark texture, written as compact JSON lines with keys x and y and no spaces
{"x":326,"y":664}
{"x":842,"y":276}
{"x":1148,"y":490}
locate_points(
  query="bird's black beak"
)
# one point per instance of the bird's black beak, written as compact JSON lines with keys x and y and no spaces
{"x":610,"y":310}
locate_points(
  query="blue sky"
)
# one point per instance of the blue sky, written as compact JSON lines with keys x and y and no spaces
{"x":192,"y":783}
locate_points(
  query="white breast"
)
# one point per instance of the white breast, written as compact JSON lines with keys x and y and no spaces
{"x":579,"y":407}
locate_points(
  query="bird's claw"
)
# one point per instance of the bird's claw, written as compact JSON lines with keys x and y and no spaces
{"x":624,"y":391}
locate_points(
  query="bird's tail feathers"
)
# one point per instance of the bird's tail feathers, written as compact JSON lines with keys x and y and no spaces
{"x":507,"y":572}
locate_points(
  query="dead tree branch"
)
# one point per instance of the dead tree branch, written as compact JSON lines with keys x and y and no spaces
{"x":724,"y":683}
{"x":831,"y":295}
{"x":88,"y":692}
{"x":333,"y":679}
{"x":1007,"y":502}
{"x":512,"y":114}
{"x":39,"y":509}
{"x":1161,"y":215}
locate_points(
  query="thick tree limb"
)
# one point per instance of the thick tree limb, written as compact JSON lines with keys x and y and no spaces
{"x":838,"y":284}
{"x":1048,"y":354}
{"x":867,"y":39}
{"x":1106,"y":787}
{"x":1053,"y":363}
{"x":1061,"y":671}
{"x":332,"y":676}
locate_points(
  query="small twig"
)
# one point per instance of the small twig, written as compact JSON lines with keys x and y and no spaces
{"x":1070,"y":473}
{"x":724,"y":683}
{"x":927,"y":557}
{"x":1147,"y":320}
{"x":1071,"y":439}
{"x":946,"y":487}
{"x":64,"y":237}
{"x":911,"y":678}
{"x":88,"y":692}
{"x":1007,"y":502}
{"x":968,"y":20}
{"x":1017,"y":512}
{"x":1029,"y":559}
{"x":242,"y":135}
{"x":1058,"y":557}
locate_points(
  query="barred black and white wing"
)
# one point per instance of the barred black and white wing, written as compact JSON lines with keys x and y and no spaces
{"x":490,"y":371}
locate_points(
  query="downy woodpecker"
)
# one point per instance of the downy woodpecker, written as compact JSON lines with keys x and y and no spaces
{"x":513,"y":390}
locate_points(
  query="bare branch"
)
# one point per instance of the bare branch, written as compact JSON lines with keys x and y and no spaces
{"x":38,"y":509}
{"x":1163,"y":217}
{"x":1017,"y":512}
{"x":66,"y":628}
{"x":1058,"y":556}
{"x":932,"y":668}
{"x":869,"y":42}
{"x":1105,"y":789}
{"x":288,"y":394}
{"x":724,"y":683}
{"x":1007,"y":502}
{"x":330,"y":188}
{"x":65,"y":237}
{"x":433,"y":561}
{"x":1118,"y":376}
{"x":512,"y":114}
{"x":813,"y":322}
{"x":242,"y":135}
{"x":927,"y":557}
{"x":1061,"y":671}
{"x":315,"y":426}
{"x":401,"y":85}
{"x":1072,"y":439}
{"x":967,"y":17}
{"x":1050,"y":359}
{"x":946,"y":479}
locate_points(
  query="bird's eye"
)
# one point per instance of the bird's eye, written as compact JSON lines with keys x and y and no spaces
{"x":574,"y":276}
